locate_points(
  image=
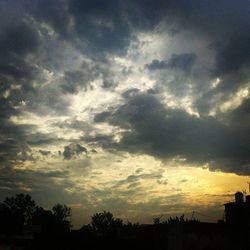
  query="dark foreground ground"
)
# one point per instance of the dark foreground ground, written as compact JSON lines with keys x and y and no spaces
{"x":174,"y":236}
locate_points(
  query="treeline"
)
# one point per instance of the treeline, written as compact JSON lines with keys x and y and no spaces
{"x":27,"y":226}
{"x":21,"y":211}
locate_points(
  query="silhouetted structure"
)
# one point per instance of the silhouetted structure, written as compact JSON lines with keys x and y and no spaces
{"x":238,"y":212}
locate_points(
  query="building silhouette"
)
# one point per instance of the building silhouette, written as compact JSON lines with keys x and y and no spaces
{"x":238,"y":212}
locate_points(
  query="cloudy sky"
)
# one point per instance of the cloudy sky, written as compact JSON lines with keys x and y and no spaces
{"x":140,"y":107}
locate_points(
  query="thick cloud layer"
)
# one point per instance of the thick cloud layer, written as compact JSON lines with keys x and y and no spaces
{"x":73,"y":149}
{"x":182,"y":61}
{"x":169,"y":79}
{"x":165,"y":132}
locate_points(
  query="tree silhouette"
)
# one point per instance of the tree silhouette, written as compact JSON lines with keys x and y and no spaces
{"x":19,"y":210}
{"x":61,"y":212}
{"x":7,"y":220}
{"x":105,"y":223}
{"x":157,"y":220}
{"x":44,"y":219}
{"x":21,"y":204}
{"x":62,"y":215}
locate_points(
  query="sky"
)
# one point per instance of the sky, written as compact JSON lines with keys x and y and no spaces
{"x":137,"y":107}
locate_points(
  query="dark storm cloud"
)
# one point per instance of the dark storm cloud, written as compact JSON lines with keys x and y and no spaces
{"x":107,"y":26}
{"x":134,"y":179}
{"x":41,"y":139}
{"x":74,"y":124}
{"x":166,"y":133}
{"x":226,"y":90}
{"x":55,"y":13}
{"x":73,"y":149}
{"x":181,"y":61}
{"x":225,"y":26}
{"x":109,"y":84}
{"x":81,"y":78}
{"x":44,"y":152}
{"x":97,"y":26}
{"x":52,"y":174}
{"x":19,"y":40}
{"x":16,"y":142}
{"x":73,"y":80}
{"x":102,"y":117}
{"x":16,"y":43}
{"x":101,"y":24}
{"x":13,"y":146}
{"x":13,"y":151}
{"x":241,"y":115}
{"x":106,"y":141}
{"x":99,"y":29}
{"x":40,"y":184}
{"x":234,"y":53}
